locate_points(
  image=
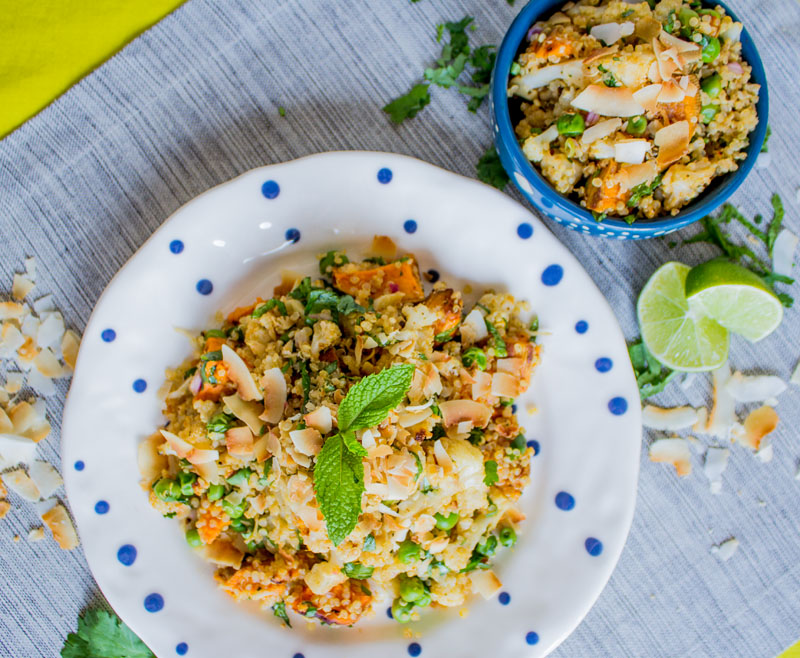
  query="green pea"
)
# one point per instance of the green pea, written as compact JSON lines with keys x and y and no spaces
{"x":215,"y":492}
{"x":241,"y":525}
{"x":712,"y":85}
{"x":685,"y":16}
{"x":233,"y":511}
{"x":167,"y":490}
{"x":401,"y":610}
{"x":411,"y":589}
{"x":446,"y":521}
{"x":515,"y":68}
{"x":711,"y":50}
{"x":570,"y":125}
{"x":637,"y":125}
{"x":487,"y":547}
{"x":708,"y":112}
{"x":519,"y":442}
{"x":474,"y":356}
{"x":709,"y":12}
{"x":240,"y":477}
{"x":408,"y":552}
{"x":508,"y":537}
{"x":186,"y":481}
{"x":424,"y":601}
{"x":193,"y":538}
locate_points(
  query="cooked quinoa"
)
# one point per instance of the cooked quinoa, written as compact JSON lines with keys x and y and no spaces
{"x":248,"y":416}
{"x":634,"y":110}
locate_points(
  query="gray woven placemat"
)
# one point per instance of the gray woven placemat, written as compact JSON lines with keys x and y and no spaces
{"x":194,"y":102}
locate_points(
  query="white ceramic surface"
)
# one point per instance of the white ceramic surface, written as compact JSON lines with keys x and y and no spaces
{"x":233,"y":240}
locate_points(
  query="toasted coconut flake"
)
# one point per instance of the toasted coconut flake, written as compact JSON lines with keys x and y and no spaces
{"x":260,"y":449}
{"x":485,"y":583}
{"x":679,"y":45}
{"x":716,"y":462}
{"x":201,"y":456}
{"x":723,"y":413}
{"x":783,"y":252}
{"x":599,"y":54}
{"x":11,"y":339}
{"x":631,"y":151}
{"x":456,"y":411}
{"x":246,"y":411}
{"x":610,"y":33}
{"x":758,"y":424}
{"x":5,"y":507}
{"x":608,"y":101}
{"x":320,"y":419}
{"x":570,"y":71}
{"x":630,"y":176}
{"x":375,"y":452}
{"x":14,"y":382}
{"x":755,"y":388}
{"x":408,"y":418}
{"x":672,"y":142}
{"x":671,"y":419}
{"x":51,"y":331}
{"x":209,"y":471}
{"x":11,"y":310}
{"x":671,"y":92}
{"x":473,"y":328}
{"x":240,"y":373}
{"x":48,"y":365}
{"x":239,"y":442}
{"x":178,"y":445}
{"x":647,"y":97}
{"x":45,"y":477}
{"x":504,"y":385}
{"x":442,"y":458}
{"x":765,"y":452}
{"x":666,"y":60}
{"x":307,"y":442}
{"x":59,"y":523}
{"x":6,"y":426}
{"x":224,"y":553}
{"x":384,"y":247}
{"x":44,"y":305}
{"x":482,"y":385}
{"x":18,"y":481}
{"x":726,"y":549}
{"x":21,"y":287}
{"x":687,"y":380}
{"x":274,"y":385}
{"x":672,"y":451}
{"x":36,"y":534}
{"x":600,"y":130}
{"x":151,"y":462}
{"x":647,"y":28}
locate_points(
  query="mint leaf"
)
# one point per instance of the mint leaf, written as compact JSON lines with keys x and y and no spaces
{"x":103,"y":635}
{"x":338,"y":483}
{"x":370,"y":400}
{"x":352,"y":444}
{"x":407,"y":106}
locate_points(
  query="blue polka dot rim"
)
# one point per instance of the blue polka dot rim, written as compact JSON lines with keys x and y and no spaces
{"x":603,"y":364}
{"x":140,"y":385}
{"x":565,"y":501}
{"x":593,"y":546}
{"x":504,"y":598}
{"x":176,"y":246}
{"x":532,"y":638}
{"x":204,"y":287}
{"x":182,"y":649}
{"x":127,"y":554}
{"x":618,"y":405}
{"x":270,"y":189}
{"x":552,"y":275}
{"x":153,"y":602}
{"x":581,"y":326}
{"x":102,"y":507}
{"x":410,"y":226}
{"x":414,"y":649}
{"x":79,"y":465}
{"x":292,"y":235}
{"x":108,"y":335}
{"x":384,"y":175}
{"x":537,"y":448}
{"x":525,"y":230}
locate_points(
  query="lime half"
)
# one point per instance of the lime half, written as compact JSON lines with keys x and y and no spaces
{"x":678,"y":336}
{"x":735,"y":297}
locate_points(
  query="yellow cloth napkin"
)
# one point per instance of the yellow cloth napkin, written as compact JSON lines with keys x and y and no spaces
{"x":48,"y":45}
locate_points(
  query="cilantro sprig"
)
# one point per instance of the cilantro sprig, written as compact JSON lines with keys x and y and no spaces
{"x":651,"y":376}
{"x":339,"y":471}
{"x":490,"y":169}
{"x":103,"y":635}
{"x":741,"y":254}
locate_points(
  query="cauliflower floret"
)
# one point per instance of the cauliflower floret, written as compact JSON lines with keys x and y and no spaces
{"x":326,"y":334}
{"x":469,"y":471}
{"x":682,"y":183}
{"x":323,"y":577}
{"x":562,"y":172}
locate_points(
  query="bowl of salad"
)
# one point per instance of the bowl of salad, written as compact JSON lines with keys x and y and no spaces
{"x":628,"y":120}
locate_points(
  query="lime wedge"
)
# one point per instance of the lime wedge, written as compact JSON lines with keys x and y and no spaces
{"x":678,"y":336}
{"x":735,"y":297}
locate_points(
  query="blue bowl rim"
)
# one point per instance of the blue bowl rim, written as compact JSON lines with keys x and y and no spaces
{"x":708,"y":201}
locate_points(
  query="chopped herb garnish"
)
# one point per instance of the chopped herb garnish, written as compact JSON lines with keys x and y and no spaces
{"x":490,"y":473}
{"x":369,"y":543}
{"x":651,"y":376}
{"x":281,"y":110}
{"x":643,"y":190}
{"x":490,"y":170}
{"x":279,"y":610}
{"x":103,"y":634}
{"x":268,"y":306}
{"x":220,"y":423}
{"x":357,"y":570}
{"x":216,"y":355}
{"x":497,"y":341}
{"x":408,"y":105}
{"x":215,"y":333}
{"x":764,"y":147}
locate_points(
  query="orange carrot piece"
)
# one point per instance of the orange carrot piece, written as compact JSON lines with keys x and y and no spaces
{"x":400,"y":276}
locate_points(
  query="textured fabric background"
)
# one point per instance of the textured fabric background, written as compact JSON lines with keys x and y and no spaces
{"x":193,"y":102}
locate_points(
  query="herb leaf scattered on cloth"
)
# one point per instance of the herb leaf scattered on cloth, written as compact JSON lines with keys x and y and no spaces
{"x":743,"y":255}
{"x":339,"y":472}
{"x":407,"y":106}
{"x":103,"y":635}
{"x":651,"y":376}
{"x":490,"y":169}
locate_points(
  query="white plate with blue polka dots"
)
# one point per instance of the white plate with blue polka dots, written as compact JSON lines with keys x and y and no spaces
{"x":229,"y":245}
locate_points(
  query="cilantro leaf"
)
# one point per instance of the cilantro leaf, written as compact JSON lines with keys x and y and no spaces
{"x":318,"y":300}
{"x":279,"y":610}
{"x":301,"y":290}
{"x":338,"y":483}
{"x":371,"y":399}
{"x":643,"y":190}
{"x":103,"y":635}
{"x":775,"y":224}
{"x":445,"y":76}
{"x":347,"y":305}
{"x":482,"y":60}
{"x":490,"y":170}
{"x":407,"y":106}
{"x":651,"y":376}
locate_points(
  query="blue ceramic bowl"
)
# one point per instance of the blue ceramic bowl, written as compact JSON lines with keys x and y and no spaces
{"x":568,"y":212}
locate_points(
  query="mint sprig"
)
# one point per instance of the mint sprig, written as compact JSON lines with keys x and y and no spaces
{"x":339,"y":471}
